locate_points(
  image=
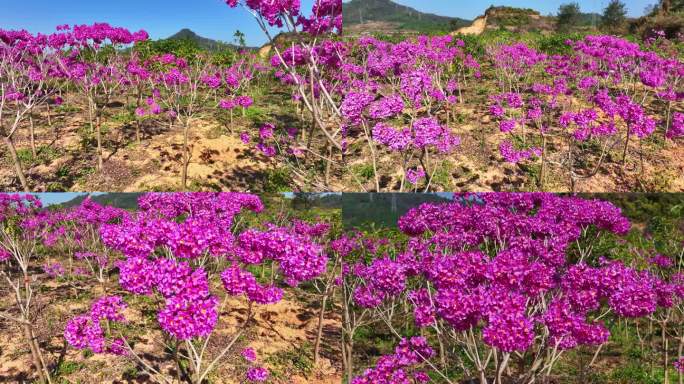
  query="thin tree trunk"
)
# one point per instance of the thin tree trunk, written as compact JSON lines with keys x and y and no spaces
{"x":371,"y":146}
{"x":666,"y":357}
{"x":502,"y":368}
{"x":349,"y":347}
{"x":186,"y":155}
{"x":328,"y":165}
{"x":37,"y":357}
{"x":231,"y":121}
{"x":28,"y":334}
{"x":680,"y":350}
{"x":98,"y":135}
{"x":32,"y":134}
{"x":543,"y":163}
{"x":18,"y":169}
{"x":624,"y":151}
{"x":483,"y":377}
{"x":49,"y":117}
{"x":137,"y":126}
{"x":319,"y":334}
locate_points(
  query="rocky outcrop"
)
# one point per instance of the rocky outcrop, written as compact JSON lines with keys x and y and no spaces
{"x":508,"y":18}
{"x":477,"y":28}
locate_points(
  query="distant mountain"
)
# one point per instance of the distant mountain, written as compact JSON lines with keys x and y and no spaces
{"x":388,"y":17}
{"x":202,"y":42}
{"x":305,"y":200}
{"x":383,"y":210}
{"x":119,"y":200}
{"x":357,"y":13}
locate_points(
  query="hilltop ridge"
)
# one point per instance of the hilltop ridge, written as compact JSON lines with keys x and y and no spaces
{"x":392,"y":17}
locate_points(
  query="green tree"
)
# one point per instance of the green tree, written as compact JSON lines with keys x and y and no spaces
{"x":675,"y":5}
{"x":614,"y":16}
{"x":240,"y":38}
{"x":569,"y":16}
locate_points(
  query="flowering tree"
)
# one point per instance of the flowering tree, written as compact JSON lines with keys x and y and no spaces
{"x":75,"y":232}
{"x":175,"y":248}
{"x":503,"y":278}
{"x":25,"y":67}
{"x":407,"y":84}
{"x":20,"y":232}
{"x":587,"y":97}
{"x":92,"y":61}
{"x":309,"y":66}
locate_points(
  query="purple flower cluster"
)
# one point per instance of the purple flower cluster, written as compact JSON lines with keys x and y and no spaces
{"x":415,"y":175}
{"x":257,"y":374}
{"x":298,"y":257}
{"x":190,"y":310}
{"x":425,"y":132}
{"x":240,"y":282}
{"x":109,"y":308}
{"x":171,"y":232}
{"x":254,"y":374}
{"x":387,"y":107}
{"x":236,"y":102}
{"x":398,"y":367}
{"x":512,"y":155}
{"x":4,"y":254}
{"x":384,"y":278}
{"x":54,"y":269}
{"x":677,"y":128}
{"x":526,"y":278}
{"x":326,"y":14}
{"x":85,"y":331}
{"x":249,"y":354}
{"x":679,"y":365}
{"x":189,"y":317}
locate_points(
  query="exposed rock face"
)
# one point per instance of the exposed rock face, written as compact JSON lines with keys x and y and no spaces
{"x":265,"y":51}
{"x":508,"y":18}
{"x":478,"y":26}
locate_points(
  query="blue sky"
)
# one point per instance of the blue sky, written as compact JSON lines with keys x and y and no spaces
{"x":48,"y":198}
{"x":472,"y":9}
{"x":160,"y":18}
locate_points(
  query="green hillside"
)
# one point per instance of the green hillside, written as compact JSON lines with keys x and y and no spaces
{"x":358,"y":12}
{"x":119,"y":200}
{"x":201,"y":42}
{"x":382,"y":210}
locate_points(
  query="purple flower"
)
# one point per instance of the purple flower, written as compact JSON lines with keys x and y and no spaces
{"x":507,"y":125}
{"x":4,"y":254}
{"x":679,"y":365}
{"x":387,"y":107}
{"x":186,"y":319}
{"x":245,"y":138}
{"x":677,"y":128}
{"x":257,"y":374}
{"x":266,"y":131}
{"x":227,"y":104}
{"x":415,"y":175}
{"x":509,"y":332}
{"x":249,"y":354}
{"x":82,"y":332}
{"x":109,"y":308}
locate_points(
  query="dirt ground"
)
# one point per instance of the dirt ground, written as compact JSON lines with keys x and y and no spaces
{"x":476,"y":165}
{"x":282,"y":335}
{"x":221,"y":161}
